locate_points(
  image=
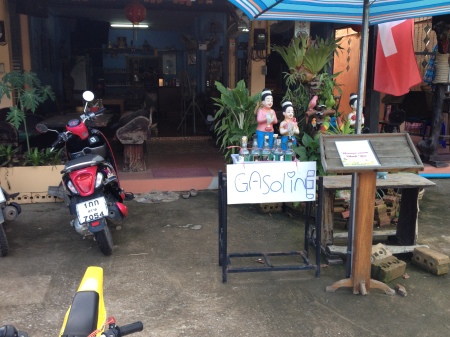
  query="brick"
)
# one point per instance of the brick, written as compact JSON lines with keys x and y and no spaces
{"x":274,"y":207}
{"x":346,"y":214}
{"x":385,"y":221}
{"x":388,"y":269}
{"x":430,"y":260}
{"x":339,"y":209}
{"x":380,"y":208}
{"x":379,"y":252}
{"x":379,"y":202}
{"x":390,"y":200}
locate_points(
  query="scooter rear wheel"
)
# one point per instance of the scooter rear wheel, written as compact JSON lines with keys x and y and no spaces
{"x":3,"y":242}
{"x":105,"y":240}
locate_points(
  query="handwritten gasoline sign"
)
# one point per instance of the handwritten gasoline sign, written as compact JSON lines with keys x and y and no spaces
{"x":264,"y":182}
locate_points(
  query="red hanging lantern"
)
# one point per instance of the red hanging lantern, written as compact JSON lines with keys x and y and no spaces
{"x":135,"y":12}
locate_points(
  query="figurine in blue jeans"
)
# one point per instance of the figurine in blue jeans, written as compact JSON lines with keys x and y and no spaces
{"x":289,"y":126}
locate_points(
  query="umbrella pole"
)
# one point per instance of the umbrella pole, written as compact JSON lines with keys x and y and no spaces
{"x":359,"y":105}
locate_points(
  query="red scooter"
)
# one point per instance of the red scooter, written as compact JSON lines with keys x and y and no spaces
{"x":91,"y":187}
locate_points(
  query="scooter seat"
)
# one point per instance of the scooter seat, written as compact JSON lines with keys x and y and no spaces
{"x":83,"y":315}
{"x":82,"y":162}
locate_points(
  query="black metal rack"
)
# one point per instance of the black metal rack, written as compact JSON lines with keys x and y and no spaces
{"x":225,"y":257}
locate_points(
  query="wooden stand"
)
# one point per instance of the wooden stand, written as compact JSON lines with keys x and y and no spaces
{"x":361,"y":281}
{"x":395,"y":153}
{"x":133,"y":136}
{"x":134,"y":158}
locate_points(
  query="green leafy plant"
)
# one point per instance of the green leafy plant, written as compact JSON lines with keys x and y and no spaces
{"x":293,"y":54}
{"x":37,"y":157}
{"x":53,"y":157}
{"x":34,"y":157}
{"x":7,"y":155}
{"x":309,"y":150}
{"x":306,"y":58}
{"x":320,"y":53}
{"x":324,"y":87}
{"x":337,"y":125}
{"x":235,"y":117}
{"x":27,"y":92}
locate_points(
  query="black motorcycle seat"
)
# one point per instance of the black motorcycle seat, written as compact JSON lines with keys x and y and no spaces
{"x":83,"y":313}
{"x":82,"y":162}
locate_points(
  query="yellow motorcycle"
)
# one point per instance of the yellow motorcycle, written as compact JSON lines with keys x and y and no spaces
{"x":86,"y":317}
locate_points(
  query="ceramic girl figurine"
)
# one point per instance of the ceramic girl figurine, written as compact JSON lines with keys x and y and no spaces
{"x":352,"y":115}
{"x":266,"y":118}
{"x":288,"y":127}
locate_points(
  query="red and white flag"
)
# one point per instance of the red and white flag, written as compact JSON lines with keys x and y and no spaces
{"x":396,"y":67}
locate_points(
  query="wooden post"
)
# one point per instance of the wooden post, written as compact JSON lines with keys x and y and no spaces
{"x":362,"y":244}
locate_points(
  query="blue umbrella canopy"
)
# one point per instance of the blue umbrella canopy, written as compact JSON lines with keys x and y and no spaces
{"x":341,"y":11}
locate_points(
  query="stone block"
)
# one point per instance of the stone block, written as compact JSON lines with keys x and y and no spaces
{"x":388,"y":269}
{"x":430,"y":260}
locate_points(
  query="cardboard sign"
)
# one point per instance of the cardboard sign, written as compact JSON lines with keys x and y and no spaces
{"x":271,"y":182}
{"x":357,"y":153}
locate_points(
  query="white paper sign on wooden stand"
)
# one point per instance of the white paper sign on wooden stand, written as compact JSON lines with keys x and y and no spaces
{"x":271,"y":182}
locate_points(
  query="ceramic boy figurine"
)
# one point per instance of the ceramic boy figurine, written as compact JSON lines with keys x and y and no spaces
{"x":266,"y":118}
{"x":288,"y":127}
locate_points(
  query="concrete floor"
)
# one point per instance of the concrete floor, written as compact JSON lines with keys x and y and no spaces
{"x":164,"y":271}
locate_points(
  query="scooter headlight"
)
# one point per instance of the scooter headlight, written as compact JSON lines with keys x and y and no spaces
{"x":71,"y":187}
{"x":99,"y":179}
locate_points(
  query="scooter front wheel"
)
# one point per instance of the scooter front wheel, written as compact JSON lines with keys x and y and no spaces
{"x":104,"y":240}
{"x":3,"y":242}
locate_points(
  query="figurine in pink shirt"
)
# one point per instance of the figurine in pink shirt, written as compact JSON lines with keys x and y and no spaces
{"x":266,"y":118}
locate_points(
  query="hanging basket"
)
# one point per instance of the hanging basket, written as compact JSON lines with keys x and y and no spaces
{"x":442,"y":68}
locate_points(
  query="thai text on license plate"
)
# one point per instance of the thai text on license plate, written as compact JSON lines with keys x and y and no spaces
{"x":92,"y":210}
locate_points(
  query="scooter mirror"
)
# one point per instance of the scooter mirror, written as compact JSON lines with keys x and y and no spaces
{"x":88,"y":96}
{"x":41,"y":128}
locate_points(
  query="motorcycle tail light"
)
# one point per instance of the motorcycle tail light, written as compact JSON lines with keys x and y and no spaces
{"x":84,"y":182}
{"x":71,"y":187}
{"x":95,"y":223}
{"x":99,"y":179}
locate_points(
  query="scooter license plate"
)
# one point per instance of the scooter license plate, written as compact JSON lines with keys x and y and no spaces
{"x":2,"y":196}
{"x":91,"y":210}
